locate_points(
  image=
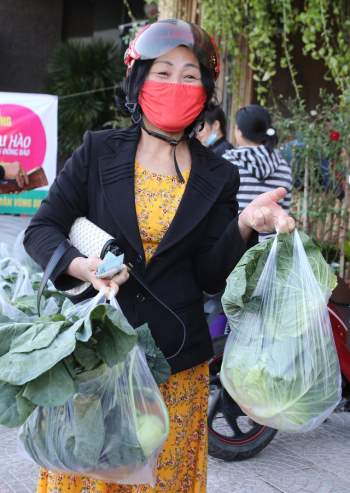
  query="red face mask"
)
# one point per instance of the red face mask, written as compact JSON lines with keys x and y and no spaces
{"x":171,"y":107}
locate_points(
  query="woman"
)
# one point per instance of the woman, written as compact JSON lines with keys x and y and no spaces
{"x":261,"y":167}
{"x":213,"y":134}
{"x":171,"y":205}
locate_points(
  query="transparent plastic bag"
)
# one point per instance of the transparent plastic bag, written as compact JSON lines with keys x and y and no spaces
{"x":14,"y":283}
{"x":112,"y":429}
{"x":82,"y":309}
{"x":17,"y":251}
{"x":280,"y":363}
{"x":17,"y":293}
{"x":16,"y":278}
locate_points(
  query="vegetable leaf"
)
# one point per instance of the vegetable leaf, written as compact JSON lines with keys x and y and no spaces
{"x":14,"y":408}
{"x":114,"y":335}
{"x":86,"y":356}
{"x":20,"y":368}
{"x":38,"y":336}
{"x":52,"y":388}
{"x":156,"y":360}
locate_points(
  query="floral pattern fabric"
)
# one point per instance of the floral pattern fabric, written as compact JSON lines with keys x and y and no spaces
{"x":157,"y":198}
{"x":182,"y":464}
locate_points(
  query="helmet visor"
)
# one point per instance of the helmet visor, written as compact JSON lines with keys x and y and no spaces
{"x":161,"y":37}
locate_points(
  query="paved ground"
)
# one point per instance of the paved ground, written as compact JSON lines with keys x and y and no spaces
{"x":10,"y":226}
{"x":317,"y":462}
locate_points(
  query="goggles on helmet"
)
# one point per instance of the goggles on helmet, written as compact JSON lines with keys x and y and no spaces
{"x":159,"y":38}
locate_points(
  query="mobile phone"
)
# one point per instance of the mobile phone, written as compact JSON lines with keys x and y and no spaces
{"x":108,"y":274}
{"x":110,"y":266}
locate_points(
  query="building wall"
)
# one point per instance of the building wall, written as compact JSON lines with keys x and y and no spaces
{"x":29,"y":32}
{"x":31,"y":29}
{"x":82,"y":18}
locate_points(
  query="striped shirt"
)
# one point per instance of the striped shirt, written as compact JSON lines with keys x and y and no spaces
{"x":260,"y":171}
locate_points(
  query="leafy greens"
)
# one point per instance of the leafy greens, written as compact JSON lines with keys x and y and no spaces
{"x":280,"y":362}
{"x":76,"y":372}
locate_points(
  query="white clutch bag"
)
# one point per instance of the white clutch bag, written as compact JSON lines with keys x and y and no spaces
{"x":90,"y":240}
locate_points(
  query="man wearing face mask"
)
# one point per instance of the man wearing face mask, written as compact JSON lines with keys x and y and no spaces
{"x":171,"y":205}
{"x":213,"y":134}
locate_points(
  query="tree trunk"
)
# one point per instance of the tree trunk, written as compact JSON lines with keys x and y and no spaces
{"x":344,"y":216}
{"x":243,"y":91}
{"x":306,"y":197}
{"x":187,"y":10}
{"x":167,"y":9}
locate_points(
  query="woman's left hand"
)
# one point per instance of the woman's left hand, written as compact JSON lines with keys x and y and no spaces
{"x":265,"y":215}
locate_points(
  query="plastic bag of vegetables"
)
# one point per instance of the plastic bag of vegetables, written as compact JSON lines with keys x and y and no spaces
{"x":112,"y":421}
{"x":280,"y":363}
{"x":18,"y":285}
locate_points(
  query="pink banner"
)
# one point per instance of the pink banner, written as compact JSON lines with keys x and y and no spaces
{"x":22,"y":136}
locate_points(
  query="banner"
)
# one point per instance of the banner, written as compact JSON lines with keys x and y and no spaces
{"x":28,"y":135}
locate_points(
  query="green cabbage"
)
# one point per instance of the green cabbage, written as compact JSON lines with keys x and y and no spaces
{"x":280,"y":364}
{"x":150,"y":432}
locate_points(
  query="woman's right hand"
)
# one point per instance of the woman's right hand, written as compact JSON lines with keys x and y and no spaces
{"x":85,"y":269}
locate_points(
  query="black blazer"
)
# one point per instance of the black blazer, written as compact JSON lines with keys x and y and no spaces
{"x":199,"y":250}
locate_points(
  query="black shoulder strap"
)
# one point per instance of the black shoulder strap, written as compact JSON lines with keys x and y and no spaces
{"x":56,"y":257}
{"x":164,"y":305}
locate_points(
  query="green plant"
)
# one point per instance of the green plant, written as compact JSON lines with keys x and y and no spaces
{"x":83,"y":75}
{"x":287,"y":19}
{"x":237,"y":21}
{"x":326,"y":36}
{"x":267,"y":27}
{"x":316,"y":143}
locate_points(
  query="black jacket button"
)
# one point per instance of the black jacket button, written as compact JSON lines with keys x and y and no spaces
{"x":139,"y":259}
{"x":140,"y":297}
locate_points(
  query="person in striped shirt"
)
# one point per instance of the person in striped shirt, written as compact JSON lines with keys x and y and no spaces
{"x":260,"y":165}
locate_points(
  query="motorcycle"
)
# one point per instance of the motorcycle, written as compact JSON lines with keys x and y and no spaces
{"x":233,"y":436}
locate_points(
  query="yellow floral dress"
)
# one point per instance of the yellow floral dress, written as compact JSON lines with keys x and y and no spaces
{"x":182,"y":464}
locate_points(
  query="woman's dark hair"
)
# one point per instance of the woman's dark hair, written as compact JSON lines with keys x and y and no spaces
{"x":255,"y":123}
{"x":128,"y":90}
{"x":213,"y":113}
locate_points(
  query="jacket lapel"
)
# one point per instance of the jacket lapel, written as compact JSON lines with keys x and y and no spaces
{"x":117,"y":172}
{"x":117,"y":175}
{"x":203,"y":189}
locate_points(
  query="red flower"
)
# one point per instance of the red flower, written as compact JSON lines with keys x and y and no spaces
{"x":334,"y":135}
